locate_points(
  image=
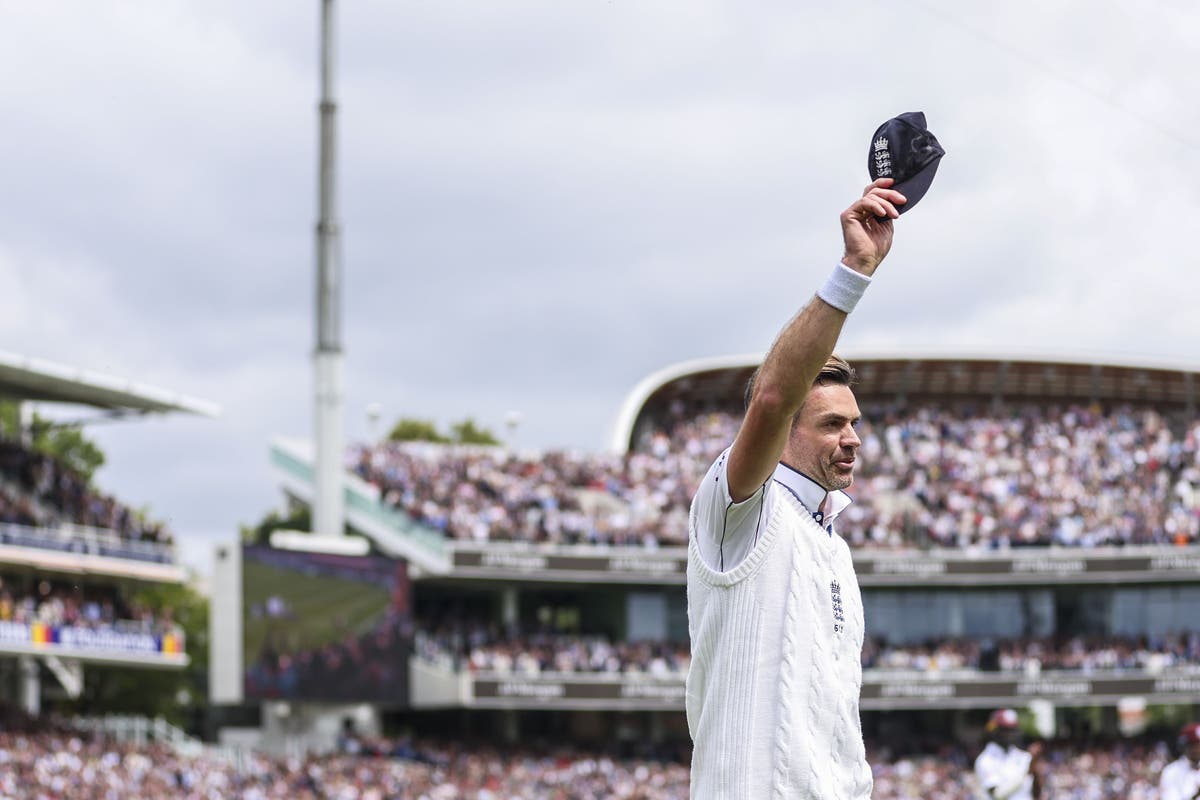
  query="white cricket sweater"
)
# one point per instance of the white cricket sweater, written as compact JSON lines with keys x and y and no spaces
{"x":1003,"y":772}
{"x":772,"y":693}
{"x":1179,"y":781}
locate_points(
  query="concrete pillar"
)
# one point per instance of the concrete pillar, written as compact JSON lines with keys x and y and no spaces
{"x":509,"y":610}
{"x":25,"y":422}
{"x":510,"y":726}
{"x":30,"y":686}
{"x":658,"y":730}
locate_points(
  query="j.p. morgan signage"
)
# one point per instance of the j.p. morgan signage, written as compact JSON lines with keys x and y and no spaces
{"x":878,"y":691}
{"x":1032,"y":566}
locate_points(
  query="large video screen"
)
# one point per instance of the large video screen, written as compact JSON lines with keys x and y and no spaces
{"x":325,"y":627}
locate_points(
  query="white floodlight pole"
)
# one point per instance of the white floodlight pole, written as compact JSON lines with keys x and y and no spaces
{"x":327,"y":496}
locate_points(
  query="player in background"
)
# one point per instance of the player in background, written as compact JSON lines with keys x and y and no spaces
{"x":1003,"y":769}
{"x":1181,"y":778}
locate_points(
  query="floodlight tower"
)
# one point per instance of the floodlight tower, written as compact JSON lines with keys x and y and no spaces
{"x":327,"y":358}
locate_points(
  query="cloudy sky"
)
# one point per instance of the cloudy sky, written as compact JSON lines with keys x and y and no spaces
{"x":544,"y":201}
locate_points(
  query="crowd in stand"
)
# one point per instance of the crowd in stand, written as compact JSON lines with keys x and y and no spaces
{"x":33,"y":767}
{"x":1033,"y":654}
{"x":930,"y":476}
{"x":16,"y":510}
{"x":99,"y":608}
{"x":1033,"y":477}
{"x":56,"y":761}
{"x":487,"y":494}
{"x":42,"y":492}
{"x":483,"y":648}
{"x":1117,"y":770}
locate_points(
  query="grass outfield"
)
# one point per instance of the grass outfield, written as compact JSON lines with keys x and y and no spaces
{"x":322,"y":609}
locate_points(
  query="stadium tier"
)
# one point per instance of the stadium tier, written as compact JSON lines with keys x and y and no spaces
{"x":69,"y":556}
{"x":73,"y":557}
{"x":45,"y":760}
{"x":930,"y":476}
{"x":46,"y":507}
{"x":49,"y":515}
{"x":1025,"y":534}
{"x":1089,"y":463}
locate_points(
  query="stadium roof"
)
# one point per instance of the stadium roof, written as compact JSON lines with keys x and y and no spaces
{"x":721,"y":381}
{"x":25,"y":378}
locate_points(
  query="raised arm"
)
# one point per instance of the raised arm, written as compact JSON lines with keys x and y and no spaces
{"x":805,"y":344}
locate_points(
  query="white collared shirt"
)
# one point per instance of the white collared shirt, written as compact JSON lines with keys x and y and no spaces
{"x":1180,"y":780}
{"x":1003,"y":773}
{"x":727,"y":530}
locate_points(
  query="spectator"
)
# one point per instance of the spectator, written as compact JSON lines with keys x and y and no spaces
{"x":36,"y":491}
{"x":40,"y":759}
{"x":932,"y":476}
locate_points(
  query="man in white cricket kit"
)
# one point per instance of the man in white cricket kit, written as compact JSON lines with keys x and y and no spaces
{"x":1004,"y":770}
{"x":1180,"y":779}
{"x":774,"y":610}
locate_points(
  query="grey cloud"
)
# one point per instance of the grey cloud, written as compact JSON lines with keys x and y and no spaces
{"x":543,"y":202}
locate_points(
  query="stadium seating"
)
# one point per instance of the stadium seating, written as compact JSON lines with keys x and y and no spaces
{"x":44,"y":504}
{"x":481,"y":648}
{"x":929,"y":476}
{"x":40,"y":759}
{"x":99,"y":609}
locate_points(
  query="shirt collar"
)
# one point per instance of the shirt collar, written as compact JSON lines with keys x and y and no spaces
{"x":812,"y":495}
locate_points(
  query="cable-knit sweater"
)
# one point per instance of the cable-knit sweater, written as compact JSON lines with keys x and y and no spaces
{"x":772,"y":693}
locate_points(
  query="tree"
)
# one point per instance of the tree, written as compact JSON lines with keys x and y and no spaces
{"x":10,"y":418}
{"x":467,"y":432}
{"x":297,"y":518}
{"x":64,"y":443}
{"x":68,"y":446}
{"x":407,"y":429}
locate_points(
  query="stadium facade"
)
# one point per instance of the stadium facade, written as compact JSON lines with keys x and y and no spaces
{"x":629,"y":596}
{"x":71,"y":558}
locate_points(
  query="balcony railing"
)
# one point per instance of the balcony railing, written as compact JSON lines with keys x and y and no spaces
{"x":82,"y":540}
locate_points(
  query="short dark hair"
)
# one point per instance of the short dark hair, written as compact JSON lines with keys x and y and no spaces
{"x":837,"y":370}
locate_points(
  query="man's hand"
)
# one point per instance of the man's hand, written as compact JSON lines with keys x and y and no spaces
{"x":802,"y":348}
{"x":867,"y":226}
{"x":1036,"y":768}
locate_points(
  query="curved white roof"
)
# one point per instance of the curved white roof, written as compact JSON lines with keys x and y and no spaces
{"x":631,"y":407}
{"x":26,"y":378}
{"x":637,"y":397}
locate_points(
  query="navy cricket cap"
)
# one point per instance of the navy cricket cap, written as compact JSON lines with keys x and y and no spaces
{"x":903,"y":149}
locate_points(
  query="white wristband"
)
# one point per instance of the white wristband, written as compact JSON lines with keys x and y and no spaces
{"x":844,"y":288}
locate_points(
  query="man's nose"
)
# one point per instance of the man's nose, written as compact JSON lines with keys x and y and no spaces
{"x":850,"y":438}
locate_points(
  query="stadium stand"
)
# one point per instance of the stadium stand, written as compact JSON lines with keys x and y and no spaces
{"x":47,"y":506}
{"x":483,"y":648}
{"x":1126,"y":770}
{"x":93,"y":607}
{"x":72,"y":556}
{"x":1025,"y":534}
{"x":930,"y":476}
{"x":56,"y":758}
{"x":50,"y":494}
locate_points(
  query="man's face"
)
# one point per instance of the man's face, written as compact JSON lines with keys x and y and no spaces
{"x":823,"y":443}
{"x":1007,"y":737}
{"x":1193,"y":752}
